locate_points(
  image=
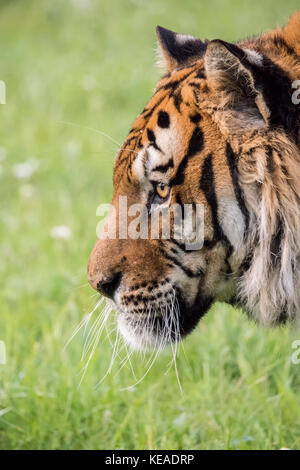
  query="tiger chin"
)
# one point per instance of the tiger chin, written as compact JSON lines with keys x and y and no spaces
{"x":222,"y":131}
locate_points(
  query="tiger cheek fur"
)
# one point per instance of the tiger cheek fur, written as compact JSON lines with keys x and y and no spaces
{"x":220,"y":131}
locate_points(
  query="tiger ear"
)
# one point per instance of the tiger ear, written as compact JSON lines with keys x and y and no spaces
{"x":232,"y":71}
{"x":177,"y":49}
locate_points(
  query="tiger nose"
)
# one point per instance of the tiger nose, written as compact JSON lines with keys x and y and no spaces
{"x":106,"y":286}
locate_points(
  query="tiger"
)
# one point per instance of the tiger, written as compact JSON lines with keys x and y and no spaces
{"x":221,"y":130}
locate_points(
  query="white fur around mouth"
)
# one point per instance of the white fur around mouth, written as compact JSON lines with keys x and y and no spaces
{"x":137,"y":340}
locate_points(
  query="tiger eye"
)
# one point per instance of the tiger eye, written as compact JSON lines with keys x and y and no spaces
{"x":163,"y":190}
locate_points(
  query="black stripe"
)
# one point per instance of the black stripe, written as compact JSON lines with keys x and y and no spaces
{"x":179,"y":177}
{"x":163,"y":119}
{"x":246,"y":263}
{"x":209,"y":244}
{"x":147,"y":112}
{"x":179,"y":200}
{"x":232,"y":161}
{"x":195,"y":118}
{"x":179,"y":244}
{"x":196,"y":143}
{"x":270,"y":160}
{"x":164,"y":168}
{"x":195,"y":146}
{"x":279,"y":41}
{"x":177,"y":263}
{"x":194,"y":84}
{"x":276,"y":242}
{"x":228,"y":255}
{"x":207,"y":185}
{"x":152,"y":139}
{"x":125,"y":148}
{"x":171,"y":85}
{"x":201,"y":73}
{"x":177,"y":97}
{"x":121,"y":158}
{"x":174,"y":84}
{"x":283,"y":317}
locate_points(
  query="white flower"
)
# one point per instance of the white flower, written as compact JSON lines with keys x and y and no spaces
{"x":61,"y":232}
{"x":26,"y":169}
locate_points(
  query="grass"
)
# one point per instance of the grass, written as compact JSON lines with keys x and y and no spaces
{"x":92,"y":63}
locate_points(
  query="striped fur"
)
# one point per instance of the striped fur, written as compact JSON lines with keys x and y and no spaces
{"x":221,"y":130}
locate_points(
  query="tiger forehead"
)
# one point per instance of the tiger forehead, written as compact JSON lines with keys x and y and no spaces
{"x":173,"y":101}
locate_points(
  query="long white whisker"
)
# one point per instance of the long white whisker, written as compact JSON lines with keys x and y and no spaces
{"x":142,"y":378}
{"x":69,"y":123}
{"x":91,"y":334}
{"x":117,"y":340}
{"x":104,"y":134}
{"x":82,"y":323}
{"x":124,"y":363}
{"x":95,"y":344}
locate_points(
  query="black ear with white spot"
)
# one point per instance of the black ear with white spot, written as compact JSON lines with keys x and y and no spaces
{"x":177,"y":49}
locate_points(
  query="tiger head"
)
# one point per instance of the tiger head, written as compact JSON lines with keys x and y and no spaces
{"x":221,"y":131}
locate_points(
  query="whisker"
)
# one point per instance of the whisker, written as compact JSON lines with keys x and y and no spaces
{"x":102,"y":318}
{"x":104,"y":134}
{"x":82,"y":285}
{"x":95,"y":344}
{"x":92,"y":129}
{"x":90,"y":335}
{"x":142,"y":378}
{"x":112,"y":359}
{"x":124,"y":363}
{"x":82,"y":323}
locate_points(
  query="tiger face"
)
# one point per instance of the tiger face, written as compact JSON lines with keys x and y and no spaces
{"x":211,"y":135}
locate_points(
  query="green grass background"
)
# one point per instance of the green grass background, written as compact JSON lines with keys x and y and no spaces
{"x":92,"y":63}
